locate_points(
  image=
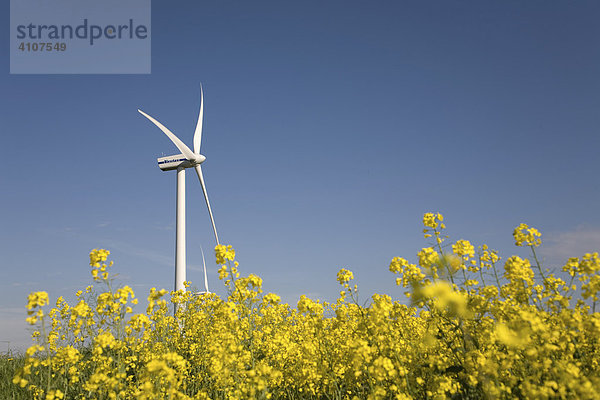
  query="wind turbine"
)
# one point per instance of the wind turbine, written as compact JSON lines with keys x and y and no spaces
{"x":179,"y":162}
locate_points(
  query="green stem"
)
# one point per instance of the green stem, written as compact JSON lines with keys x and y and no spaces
{"x":539,"y":267}
{"x":439,"y":245}
{"x":47,"y":347}
{"x":496,"y":275}
{"x":480,"y":272}
{"x":537,"y":263}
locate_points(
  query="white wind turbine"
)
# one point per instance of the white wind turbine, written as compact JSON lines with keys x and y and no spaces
{"x":188,"y":159}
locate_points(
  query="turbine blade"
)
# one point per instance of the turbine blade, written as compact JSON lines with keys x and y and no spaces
{"x":198,"y":131}
{"x":205,"y":277}
{"x":212,"y":220}
{"x":189,"y":154}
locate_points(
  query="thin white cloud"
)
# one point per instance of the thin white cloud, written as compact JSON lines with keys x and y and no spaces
{"x":139,"y":285}
{"x":168,"y":227}
{"x":148,"y":254}
{"x":13,"y":310}
{"x":30,"y":283}
{"x":559,"y":247}
{"x":14,"y":331}
{"x":56,"y":230}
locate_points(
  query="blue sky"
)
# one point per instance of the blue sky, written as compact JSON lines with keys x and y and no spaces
{"x":330,"y":128}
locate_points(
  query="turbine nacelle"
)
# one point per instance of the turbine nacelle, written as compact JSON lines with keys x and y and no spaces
{"x":188,"y":158}
{"x":176,"y":161}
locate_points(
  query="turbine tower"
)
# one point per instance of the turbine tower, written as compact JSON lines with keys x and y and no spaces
{"x":179,"y":162}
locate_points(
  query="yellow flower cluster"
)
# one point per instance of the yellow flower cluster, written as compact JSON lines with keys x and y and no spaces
{"x":473,"y":330}
{"x":434,"y":225}
{"x":344,"y":276}
{"x":224,"y":254}
{"x":433,"y":220}
{"x":464,"y":248}
{"x":97,"y":259}
{"x":35,"y":301}
{"x":526,"y":236}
